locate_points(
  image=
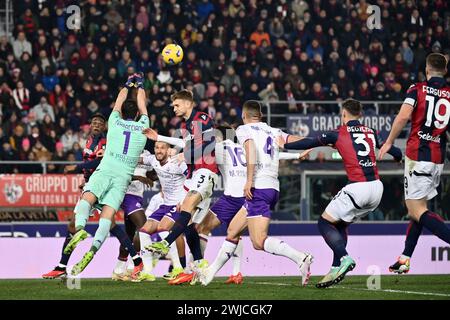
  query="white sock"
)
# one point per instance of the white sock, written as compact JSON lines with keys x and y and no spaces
{"x":281,"y":248}
{"x":130,"y":266}
{"x":225,"y":253}
{"x":203,"y":243}
{"x":120,"y":267}
{"x":237,"y":257}
{"x":163,"y":234}
{"x":403,"y":257}
{"x":147,"y":256}
{"x":173,"y":255}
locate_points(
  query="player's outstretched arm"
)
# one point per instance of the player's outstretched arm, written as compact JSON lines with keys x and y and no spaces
{"x":399,"y":123}
{"x":141,"y":95}
{"x":153,"y":135}
{"x":294,"y":156}
{"x":121,"y":97}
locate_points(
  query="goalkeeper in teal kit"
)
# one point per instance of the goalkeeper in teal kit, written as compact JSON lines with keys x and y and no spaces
{"x":109,"y":182}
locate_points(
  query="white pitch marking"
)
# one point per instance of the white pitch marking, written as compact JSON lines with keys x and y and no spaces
{"x":363,"y":289}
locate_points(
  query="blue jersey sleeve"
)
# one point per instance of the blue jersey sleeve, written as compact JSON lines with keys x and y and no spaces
{"x":325,"y":139}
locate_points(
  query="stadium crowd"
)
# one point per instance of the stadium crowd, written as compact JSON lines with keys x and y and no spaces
{"x":52,"y":79}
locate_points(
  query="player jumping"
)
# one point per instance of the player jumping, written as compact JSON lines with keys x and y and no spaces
{"x":134,"y":216}
{"x":261,"y":191}
{"x":202,"y":176}
{"x":427,"y":105}
{"x":92,"y":155}
{"x":110,"y":181}
{"x":171,"y":176}
{"x":230,"y":158}
{"x":356,"y":144}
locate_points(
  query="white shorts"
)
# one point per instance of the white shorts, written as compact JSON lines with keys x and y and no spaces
{"x":421,"y":179}
{"x":203,"y":181}
{"x":355,"y":200}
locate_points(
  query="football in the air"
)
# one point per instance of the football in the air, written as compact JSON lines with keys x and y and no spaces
{"x":172,"y":54}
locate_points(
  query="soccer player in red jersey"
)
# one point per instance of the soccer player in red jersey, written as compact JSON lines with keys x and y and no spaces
{"x":427,"y":105}
{"x":199,"y":154}
{"x":356,"y":144}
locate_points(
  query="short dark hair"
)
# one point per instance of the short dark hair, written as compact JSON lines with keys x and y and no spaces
{"x":354,"y":107}
{"x":252,"y":108}
{"x":98,"y":115}
{"x":183,"y":95}
{"x":437,"y":62}
{"x":129,"y":107}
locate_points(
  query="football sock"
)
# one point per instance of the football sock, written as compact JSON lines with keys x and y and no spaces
{"x":225,"y":253}
{"x":281,"y":248}
{"x":124,"y":240}
{"x":65,"y":257}
{"x":436,"y":225}
{"x":179,"y":226}
{"x":121,"y":266}
{"x":82,"y":210}
{"x":183,"y":262}
{"x":332,"y":237}
{"x":147,"y":256}
{"x":173,"y":252}
{"x":203,"y":243}
{"x":412,"y":236}
{"x":237,"y":256}
{"x":342,"y":228}
{"x":193,"y":241}
{"x":104,"y":225}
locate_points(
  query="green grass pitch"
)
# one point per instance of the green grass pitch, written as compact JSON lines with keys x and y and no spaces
{"x":254,"y":288}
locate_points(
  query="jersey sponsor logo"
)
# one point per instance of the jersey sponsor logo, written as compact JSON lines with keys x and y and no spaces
{"x":88,"y":151}
{"x":436,"y":92}
{"x":367,"y":163}
{"x":429,"y":137}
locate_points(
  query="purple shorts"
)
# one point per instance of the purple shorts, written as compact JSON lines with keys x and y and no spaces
{"x":165,"y":211}
{"x":226,"y":208}
{"x":131,"y":204}
{"x":262,"y":202}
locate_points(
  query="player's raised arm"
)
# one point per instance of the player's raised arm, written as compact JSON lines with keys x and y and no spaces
{"x":399,"y":123}
{"x":141,"y":96}
{"x":123,"y":94}
{"x":121,"y":97}
{"x":325,"y":139}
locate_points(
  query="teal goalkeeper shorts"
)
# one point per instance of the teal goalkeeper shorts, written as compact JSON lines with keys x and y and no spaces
{"x":108,"y":187}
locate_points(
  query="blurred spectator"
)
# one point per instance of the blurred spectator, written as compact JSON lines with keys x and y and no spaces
{"x":52,"y":79}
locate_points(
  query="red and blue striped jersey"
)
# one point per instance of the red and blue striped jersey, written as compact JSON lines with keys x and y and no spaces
{"x":429,"y":120}
{"x":199,"y":151}
{"x":356,"y":144}
{"x":90,"y":159}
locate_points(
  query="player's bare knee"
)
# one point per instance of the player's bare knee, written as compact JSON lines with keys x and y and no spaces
{"x":258,"y":244}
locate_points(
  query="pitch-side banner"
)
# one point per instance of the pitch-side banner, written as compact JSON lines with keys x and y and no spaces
{"x":316,"y":124}
{"x":38,"y":190}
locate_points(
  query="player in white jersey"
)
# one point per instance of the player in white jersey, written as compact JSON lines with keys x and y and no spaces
{"x":230,"y":158}
{"x":261,"y":190}
{"x":171,"y":176}
{"x":134,"y":215}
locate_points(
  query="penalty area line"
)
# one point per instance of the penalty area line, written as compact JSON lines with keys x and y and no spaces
{"x":396,"y":291}
{"x":364,"y":289}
